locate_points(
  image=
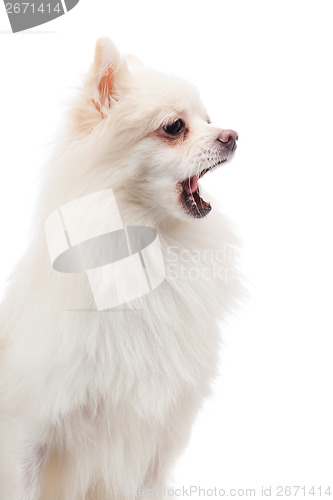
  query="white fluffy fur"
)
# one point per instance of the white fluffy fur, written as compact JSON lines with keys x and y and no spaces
{"x":95,"y":402}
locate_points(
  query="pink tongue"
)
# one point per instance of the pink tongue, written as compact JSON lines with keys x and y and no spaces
{"x":191,"y":185}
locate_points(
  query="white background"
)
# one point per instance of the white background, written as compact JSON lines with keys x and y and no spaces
{"x":265,"y":69}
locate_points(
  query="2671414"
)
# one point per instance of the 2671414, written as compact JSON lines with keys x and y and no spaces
{"x":33,"y":8}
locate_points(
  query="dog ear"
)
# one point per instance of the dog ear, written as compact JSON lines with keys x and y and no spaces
{"x":107,"y":70}
{"x":133,"y":63}
{"x":101,"y":88}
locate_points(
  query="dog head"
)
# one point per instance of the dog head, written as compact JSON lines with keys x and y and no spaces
{"x":154,"y":134}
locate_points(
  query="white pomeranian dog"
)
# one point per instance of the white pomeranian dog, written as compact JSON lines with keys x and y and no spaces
{"x":98,"y":404}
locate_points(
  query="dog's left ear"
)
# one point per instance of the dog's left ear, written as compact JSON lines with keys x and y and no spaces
{"x":102,"y":85}
{"x":107,"y":71}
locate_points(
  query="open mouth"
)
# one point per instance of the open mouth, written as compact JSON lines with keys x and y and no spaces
{"x":191,"y":200}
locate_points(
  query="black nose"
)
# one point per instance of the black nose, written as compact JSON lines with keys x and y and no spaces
{"x":228,"y":138}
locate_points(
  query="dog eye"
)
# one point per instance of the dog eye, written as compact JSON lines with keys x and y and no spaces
{"x":174,"y":128}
